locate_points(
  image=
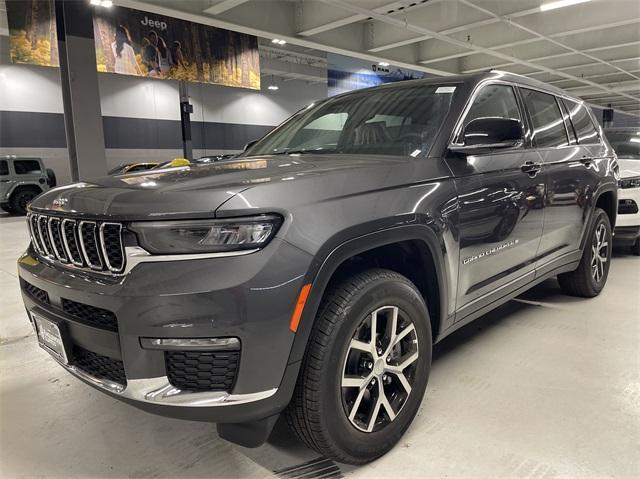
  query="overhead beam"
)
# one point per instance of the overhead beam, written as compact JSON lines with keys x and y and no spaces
{"x":470,"y":46}
{"x":341,"y":22}
{"x":565,"y":54}
{"x":223,"y":6}
{"x":530,"y":31}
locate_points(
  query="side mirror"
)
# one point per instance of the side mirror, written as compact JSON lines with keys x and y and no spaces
{"x":249,"y":145}
{"x":484,"y":134}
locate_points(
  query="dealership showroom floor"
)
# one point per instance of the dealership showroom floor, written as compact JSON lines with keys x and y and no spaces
{"x":544,"y":386}
{"x":221,"y":215}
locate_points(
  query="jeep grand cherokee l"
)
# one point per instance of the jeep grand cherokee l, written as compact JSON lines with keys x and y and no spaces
{"x":312,"y":275}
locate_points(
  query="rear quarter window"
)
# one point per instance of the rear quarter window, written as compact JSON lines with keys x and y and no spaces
{"x":27,"y":167}
{"x":548,"y":125}
{"x":582,"y":122}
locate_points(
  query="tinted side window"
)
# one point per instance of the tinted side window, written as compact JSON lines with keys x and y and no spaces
{"x":26,"y":167}
{"x":494,"y":101}
{"x":548,"y":126}
{"x":573,"y":139}
{"x":582,"y":122}
{"x":4,"y":167}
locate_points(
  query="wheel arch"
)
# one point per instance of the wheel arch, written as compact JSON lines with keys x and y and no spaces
{"x":328,"y":267}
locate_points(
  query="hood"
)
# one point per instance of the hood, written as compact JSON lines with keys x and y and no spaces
{"x":199,"y":190}
{"x":629,"y":168}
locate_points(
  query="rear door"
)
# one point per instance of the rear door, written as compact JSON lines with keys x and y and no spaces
{"x":500,"y":209}
{"x":569,"y":173}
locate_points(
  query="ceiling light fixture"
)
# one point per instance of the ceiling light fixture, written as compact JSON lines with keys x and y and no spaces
{"x":278,"y":41}
{"x":383,"y":64}
{"x":272,"y":85}
{"x":102,"y":3}
{"x":559,"y":4}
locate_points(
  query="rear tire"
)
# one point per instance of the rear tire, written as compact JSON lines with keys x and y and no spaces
{"x":337,"y":377}
{"x":20,"y":199}
{"x":589,"y":279}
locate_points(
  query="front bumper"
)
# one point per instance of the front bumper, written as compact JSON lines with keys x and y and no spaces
{"x":249,"y":297}
{"x":627,"y":228}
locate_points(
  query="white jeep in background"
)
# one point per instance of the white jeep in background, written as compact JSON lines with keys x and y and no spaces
{"x":626,"y":143}
{"x":21,"y":180}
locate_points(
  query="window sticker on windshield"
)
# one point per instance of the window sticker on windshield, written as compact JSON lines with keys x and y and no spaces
{"x":446,"y":89}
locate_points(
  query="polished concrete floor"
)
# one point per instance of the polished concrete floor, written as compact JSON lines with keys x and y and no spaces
{"x":545,"y":386}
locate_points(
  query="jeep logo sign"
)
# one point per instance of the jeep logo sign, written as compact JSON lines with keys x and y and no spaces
{"x":148,"y":22}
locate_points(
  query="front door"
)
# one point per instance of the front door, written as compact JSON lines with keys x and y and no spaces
{"x":500,"y":207}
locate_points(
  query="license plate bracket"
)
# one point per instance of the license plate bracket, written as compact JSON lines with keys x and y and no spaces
{"x":52,"y":336}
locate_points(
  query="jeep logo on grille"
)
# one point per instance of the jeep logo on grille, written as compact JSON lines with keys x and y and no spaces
{"x":60,"y":202}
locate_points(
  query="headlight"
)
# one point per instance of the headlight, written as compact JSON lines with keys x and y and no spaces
{"x":629,"y":183}
{"x":206,"y":236}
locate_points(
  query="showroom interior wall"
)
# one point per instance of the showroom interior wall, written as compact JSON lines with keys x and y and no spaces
{"x":141,"y":116}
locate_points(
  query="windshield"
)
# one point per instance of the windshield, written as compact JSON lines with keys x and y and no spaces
{"x":625,"y":143}
{"x":400,"y":121}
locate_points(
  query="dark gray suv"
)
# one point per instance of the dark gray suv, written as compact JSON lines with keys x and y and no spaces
{"x":312,"y":275}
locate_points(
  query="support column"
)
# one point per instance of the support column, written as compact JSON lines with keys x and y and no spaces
{"x":186,"y":109}
{"x":80,"y":92}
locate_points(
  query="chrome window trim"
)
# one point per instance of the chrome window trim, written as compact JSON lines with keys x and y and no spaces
{"x":158,"y":390}
{"x":83,"y":247}
{"x":103,"y":247}
{"x":474,"y":94}
{"x":59,"y":257}
{"x":66,"y":242}
{"x":489,"y":81}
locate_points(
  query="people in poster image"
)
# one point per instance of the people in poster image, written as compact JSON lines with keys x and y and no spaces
{"x":125,"y":56}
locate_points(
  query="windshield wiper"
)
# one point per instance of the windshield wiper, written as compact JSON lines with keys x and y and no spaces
{"x":302,"y":151}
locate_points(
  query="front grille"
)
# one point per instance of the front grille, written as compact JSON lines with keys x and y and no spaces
{"x":94,"y":245}
{"x":195,"y":371}
{"x":36,"y":293}
{"x":101,"y":367}
{"x":98,"y":317}
{"x":627,"y":207}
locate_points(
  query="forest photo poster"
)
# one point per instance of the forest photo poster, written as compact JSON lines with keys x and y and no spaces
{"x":133,"y":42}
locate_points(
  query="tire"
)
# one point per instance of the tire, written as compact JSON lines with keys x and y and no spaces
{"x":586,"y":281}
{"x":20,"y":199}
{"x":318,"y":410}
{"x":635,"y":249}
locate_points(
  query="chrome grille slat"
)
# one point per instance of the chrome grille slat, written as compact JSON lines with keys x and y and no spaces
{"x":55,"y":236}
{"x":44,"y":235}
{"x":33,"y":229}
{"x":87,"y":244}
{"x":70,"y":240}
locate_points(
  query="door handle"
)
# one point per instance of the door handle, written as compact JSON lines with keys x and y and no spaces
{"x":531,"y":168}
{"x":586,"y":160}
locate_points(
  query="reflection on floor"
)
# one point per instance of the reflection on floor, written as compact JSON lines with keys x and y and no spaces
{"x":544,"y":386}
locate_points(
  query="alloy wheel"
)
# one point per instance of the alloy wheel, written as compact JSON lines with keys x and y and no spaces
{"x":599,"y":253}
{"x":379,"y":369}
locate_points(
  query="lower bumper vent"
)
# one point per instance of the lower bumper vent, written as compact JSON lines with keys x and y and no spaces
{"x":36,"y":293}
{"x":195,"y":371}
{"x":101,"y":367}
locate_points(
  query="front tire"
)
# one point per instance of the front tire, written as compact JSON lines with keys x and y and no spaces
{"x":366,"y":368}
{"x":589,"y":279}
